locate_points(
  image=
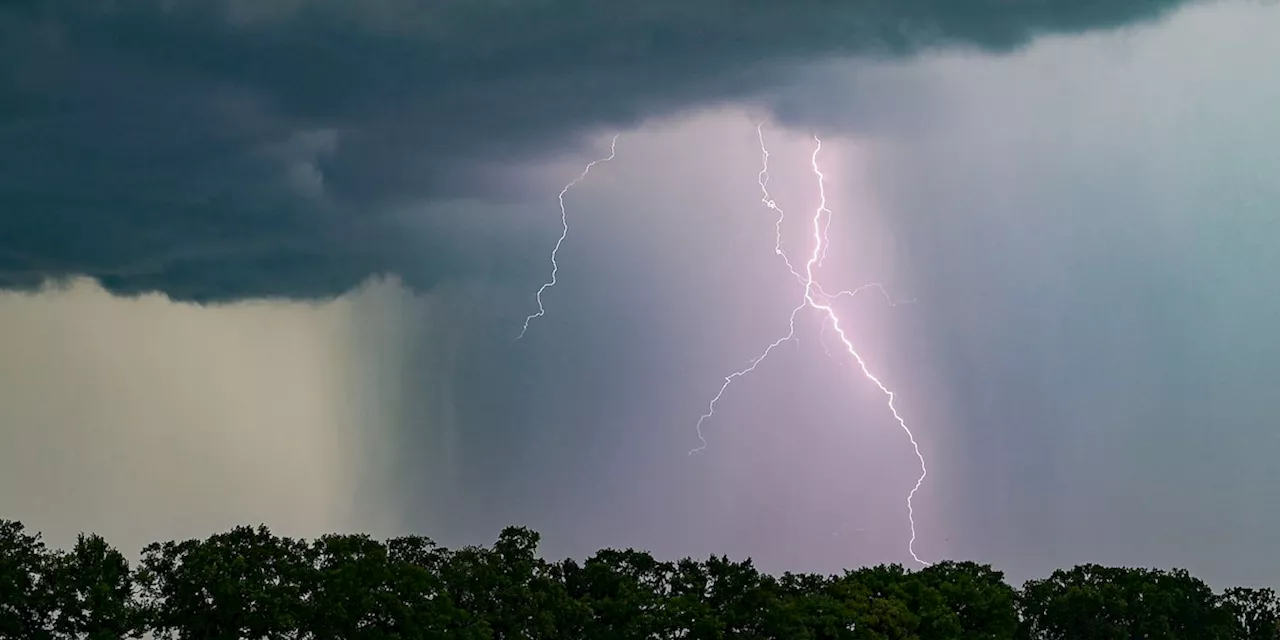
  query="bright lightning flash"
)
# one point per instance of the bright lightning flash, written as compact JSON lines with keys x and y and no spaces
{"x":564,"y":233}
{"x":816,"y":298}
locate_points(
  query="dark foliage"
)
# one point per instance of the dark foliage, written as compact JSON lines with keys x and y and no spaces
{"x":249,"y":583}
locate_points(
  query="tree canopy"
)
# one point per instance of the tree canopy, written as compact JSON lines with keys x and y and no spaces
{"x":249,"y":583}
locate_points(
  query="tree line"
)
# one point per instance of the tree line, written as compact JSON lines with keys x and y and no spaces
{"x":249,"y":583}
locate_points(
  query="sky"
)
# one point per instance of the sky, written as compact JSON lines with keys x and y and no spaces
{"x":267,"y":262}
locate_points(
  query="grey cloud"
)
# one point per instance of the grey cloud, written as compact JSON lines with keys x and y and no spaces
{"x":216,"y":150}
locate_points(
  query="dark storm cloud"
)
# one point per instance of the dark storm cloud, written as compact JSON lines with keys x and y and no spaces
{"x":215,"y":150}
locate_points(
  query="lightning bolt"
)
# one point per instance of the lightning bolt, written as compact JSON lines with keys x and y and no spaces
{"x":564,"y":233}
{"x":816,"y":298}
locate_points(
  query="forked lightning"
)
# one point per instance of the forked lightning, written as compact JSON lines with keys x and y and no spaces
{"x":816,"y":298}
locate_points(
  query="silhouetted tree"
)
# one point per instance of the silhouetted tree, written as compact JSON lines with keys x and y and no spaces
{"x":25,"y":603}
{"x":91,"y":591}
{"x":1091,"y":601}
{"x":246,"y":583}
{"x":982,"y":603}
{"x":1256,"y":613}
{"x":618,"y":594}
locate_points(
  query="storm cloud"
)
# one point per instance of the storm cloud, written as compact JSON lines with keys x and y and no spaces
{"x":221,"y":150}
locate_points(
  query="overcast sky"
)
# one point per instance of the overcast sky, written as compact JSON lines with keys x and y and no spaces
{"x":296,"y":241}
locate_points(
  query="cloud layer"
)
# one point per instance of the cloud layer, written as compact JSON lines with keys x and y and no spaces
{"x":219,"y":150}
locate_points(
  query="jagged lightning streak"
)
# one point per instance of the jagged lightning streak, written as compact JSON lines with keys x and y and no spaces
{"x":872,"y":285}
{"x":811,"y":289}
{"x":564,"y":233}
{"x":820,"y":241}
{"x":763,"y":179}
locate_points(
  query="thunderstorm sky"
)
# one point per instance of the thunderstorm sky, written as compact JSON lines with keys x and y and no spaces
{"x":266,"y":262}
